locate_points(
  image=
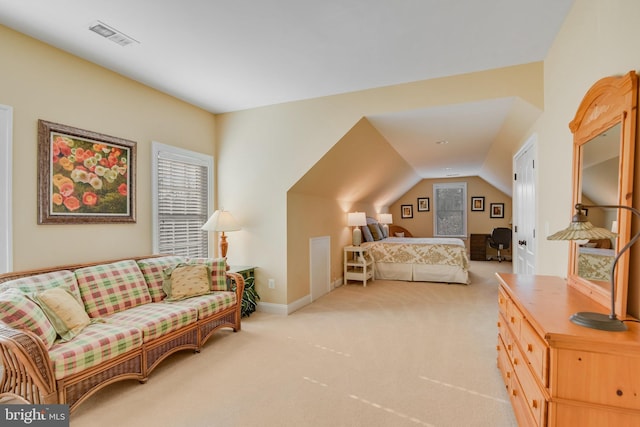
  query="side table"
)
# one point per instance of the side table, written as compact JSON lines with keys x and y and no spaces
{"x":358,"y":264}
{"x":250,"y":296}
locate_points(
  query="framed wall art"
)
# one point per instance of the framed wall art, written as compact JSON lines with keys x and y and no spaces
{"x":477,"y":203}
{"x":423,"y":204}
{"x":84,"y":177}
{"x":497,"y":210}
{"x":406,"y":211}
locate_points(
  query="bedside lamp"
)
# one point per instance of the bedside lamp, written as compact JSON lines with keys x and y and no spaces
{"x":221,"y":221}
{"x":581,"y":229}
{"x":385,"y":219}
{"x":355,"y":220}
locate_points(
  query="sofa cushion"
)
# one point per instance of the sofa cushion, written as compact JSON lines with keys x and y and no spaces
{"x":19,"y":312}
{"x":218,"y":268}
{"x":110,"y":288}
{"x":211,"y":303}
{"x":152,"y":270}
{"x":41,"y":282}
{"x":96,"y":344}
{"x":186,"y":281}
{"x":64,"y":312}
{"x":155,"y":319}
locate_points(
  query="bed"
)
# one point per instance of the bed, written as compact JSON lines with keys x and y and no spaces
{"x":421,"y":259}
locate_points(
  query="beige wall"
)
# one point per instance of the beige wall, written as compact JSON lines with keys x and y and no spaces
{"x":273,"y":147}
{"x":41,"y":82}
{"x":599,"y":38}
{"x":478,"y":222}
{"x":359,"y":173}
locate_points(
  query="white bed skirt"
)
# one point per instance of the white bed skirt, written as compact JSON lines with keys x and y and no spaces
{"x":421,"y":273}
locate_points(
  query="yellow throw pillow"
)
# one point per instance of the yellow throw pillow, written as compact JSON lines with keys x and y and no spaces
{"x":63,"y":311}
{"x":186,"y":281}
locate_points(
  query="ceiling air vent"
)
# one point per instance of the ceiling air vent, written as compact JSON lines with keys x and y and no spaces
{"x":111,"y":33}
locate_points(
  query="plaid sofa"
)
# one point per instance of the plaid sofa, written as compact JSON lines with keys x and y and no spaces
{"x":133,"y":326}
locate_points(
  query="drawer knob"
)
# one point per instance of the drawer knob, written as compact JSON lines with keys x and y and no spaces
{"x":529,"y":348}
{"x":515,"y":361}
{"x":534,"y":404}
{"x":514,"y":392}
{"x":513,"y":319}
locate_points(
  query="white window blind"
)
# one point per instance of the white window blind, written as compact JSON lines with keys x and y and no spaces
{"x":450,"y":203}
{"x":182,"y":202}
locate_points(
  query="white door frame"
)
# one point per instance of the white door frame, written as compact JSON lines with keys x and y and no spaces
{"x":6,"y":160}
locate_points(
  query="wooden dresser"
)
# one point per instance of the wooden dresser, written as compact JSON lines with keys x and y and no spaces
{"x":558,"y":373}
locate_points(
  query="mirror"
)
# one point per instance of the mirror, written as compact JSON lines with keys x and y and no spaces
{"x":604,"y":134}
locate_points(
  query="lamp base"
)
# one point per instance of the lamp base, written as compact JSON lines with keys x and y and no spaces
{"x":356,"y":239}
{"x":599,"y":321}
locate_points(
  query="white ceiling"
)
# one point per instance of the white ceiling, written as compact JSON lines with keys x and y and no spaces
{"x":231,"y":55}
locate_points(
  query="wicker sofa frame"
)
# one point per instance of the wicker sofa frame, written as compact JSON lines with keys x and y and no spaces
{"x":27,"y":372}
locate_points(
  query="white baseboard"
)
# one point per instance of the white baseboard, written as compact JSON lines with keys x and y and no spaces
{"x":286,"y":309}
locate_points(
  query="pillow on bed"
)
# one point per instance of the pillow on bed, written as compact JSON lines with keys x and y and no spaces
{"x":375,"y":231}
{"x":401,"y":234}
{"x":366,"y":233}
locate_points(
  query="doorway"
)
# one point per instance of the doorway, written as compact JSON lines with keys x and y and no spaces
{"x":524,"y":208}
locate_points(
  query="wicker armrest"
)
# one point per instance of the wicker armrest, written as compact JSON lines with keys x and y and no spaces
{"x":239,"y":282}
{"x":28,"y":373}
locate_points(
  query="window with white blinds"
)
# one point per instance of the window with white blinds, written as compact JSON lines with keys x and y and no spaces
{"x":182,"y":190}
{"x":450,"y":209}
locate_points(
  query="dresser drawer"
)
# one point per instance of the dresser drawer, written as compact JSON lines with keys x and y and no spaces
{"x":503,"y":302}
{"x":606,"y":379}
{"x":504,"y":363}
{"x":584,"y":415}
{"x":520,"y":405}
{"x":533,"y":396}
{"x":514,"y":319}
{"x":535,"y":350}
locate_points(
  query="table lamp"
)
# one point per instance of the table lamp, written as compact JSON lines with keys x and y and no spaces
{"x":385,"y":219}
{"x":581,"y":229}
{"x":355,"y":220}
{"x":222,"y":221}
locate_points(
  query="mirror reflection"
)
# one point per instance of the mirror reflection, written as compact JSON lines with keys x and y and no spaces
{"x":600,"y":174}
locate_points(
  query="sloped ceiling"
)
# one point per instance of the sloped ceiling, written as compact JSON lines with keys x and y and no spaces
{"x":229,"y":56}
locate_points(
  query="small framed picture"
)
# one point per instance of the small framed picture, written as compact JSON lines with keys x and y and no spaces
{"x":497,"y":210}
{"x":477,"y":204}
{"x":406,"y":211}
{"x":423,"y":204}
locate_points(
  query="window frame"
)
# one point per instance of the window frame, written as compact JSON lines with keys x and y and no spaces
{"x":183,"y":155}
{"x":436,"y":208}
{"x":6,"y":173}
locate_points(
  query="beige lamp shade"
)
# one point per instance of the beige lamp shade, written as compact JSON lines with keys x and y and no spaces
{"x":221,"y":220}
{"x":355,"y":219}
{"x":582,"y":230}
{"x":385,"y":218}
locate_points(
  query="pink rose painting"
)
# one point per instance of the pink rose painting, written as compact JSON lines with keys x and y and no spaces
{"x":89,"y":179}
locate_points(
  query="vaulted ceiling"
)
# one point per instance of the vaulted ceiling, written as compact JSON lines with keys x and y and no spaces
{"x":231,"y":55}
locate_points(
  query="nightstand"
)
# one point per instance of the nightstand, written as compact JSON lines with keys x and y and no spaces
{"x":358,"y":264}
{"x":250,"y":296}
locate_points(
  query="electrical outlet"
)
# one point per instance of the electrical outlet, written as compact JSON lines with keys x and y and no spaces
{"x":272,"y":284}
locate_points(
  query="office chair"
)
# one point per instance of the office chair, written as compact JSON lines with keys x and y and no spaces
{"x":500,"y":239}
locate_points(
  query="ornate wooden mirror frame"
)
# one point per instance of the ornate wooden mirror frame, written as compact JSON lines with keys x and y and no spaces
{"x":611,"y":101}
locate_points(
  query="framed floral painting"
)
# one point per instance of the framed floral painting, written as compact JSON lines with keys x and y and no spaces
{"x":84,"y":176}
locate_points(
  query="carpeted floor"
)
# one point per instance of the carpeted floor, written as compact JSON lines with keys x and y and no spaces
{"x":390,"y":354}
